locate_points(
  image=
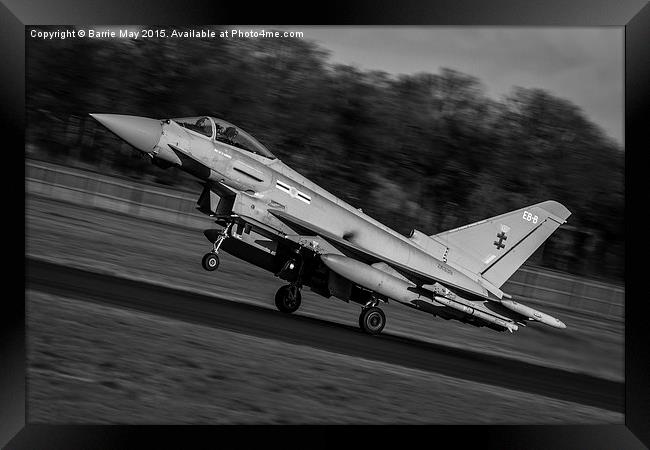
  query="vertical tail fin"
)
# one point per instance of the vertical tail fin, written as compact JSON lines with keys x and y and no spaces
{"x":495,"y":248}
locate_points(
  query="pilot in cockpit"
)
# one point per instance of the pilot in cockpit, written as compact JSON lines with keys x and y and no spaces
{"x":204,"y":126}
{"x":230,"y":133}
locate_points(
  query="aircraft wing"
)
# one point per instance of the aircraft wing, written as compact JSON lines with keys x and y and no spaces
{"x":348,"y":248}
{"x":504,"y":308}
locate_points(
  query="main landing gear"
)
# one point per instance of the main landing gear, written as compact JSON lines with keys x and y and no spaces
{"x":288,"y":298}
{"x":210,"y":260}
{"x":372,"y":319}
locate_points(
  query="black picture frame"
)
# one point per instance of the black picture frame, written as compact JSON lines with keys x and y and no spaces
{"x":634,"y":15}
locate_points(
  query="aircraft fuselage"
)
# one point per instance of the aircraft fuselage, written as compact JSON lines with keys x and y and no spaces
{"x":264,"y":184}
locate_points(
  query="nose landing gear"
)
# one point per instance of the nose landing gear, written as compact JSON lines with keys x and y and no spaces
{"x":210,"y":260}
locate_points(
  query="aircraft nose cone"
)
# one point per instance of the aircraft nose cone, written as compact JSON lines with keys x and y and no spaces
{"x":141,"y":132}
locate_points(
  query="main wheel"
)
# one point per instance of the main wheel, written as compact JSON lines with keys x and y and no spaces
{"x":288,"y":299}
{"x":210,"y":261}
{"x":372,"y":320}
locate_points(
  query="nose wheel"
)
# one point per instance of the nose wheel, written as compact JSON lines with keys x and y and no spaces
{"x":210,"y":260}
{"x":288,"y":298}
{"x":372,"y":320}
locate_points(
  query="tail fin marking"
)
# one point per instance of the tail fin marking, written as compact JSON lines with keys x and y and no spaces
{"x":495,"y":248}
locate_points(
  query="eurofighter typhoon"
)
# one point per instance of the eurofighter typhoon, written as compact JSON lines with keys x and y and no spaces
{"x":271,"y":216}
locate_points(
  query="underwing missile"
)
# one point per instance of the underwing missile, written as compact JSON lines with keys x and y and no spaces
{"x":401,"y":290}
{"x":532,"y":313}
{"x":475,"y":312}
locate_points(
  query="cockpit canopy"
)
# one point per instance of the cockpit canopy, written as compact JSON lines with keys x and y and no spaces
{"x":223,"y":131}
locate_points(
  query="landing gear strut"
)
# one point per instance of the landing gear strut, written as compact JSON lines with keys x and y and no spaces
{"x":288,"y":298}
{"x":210,"y":260}
{"x":372,"y":319}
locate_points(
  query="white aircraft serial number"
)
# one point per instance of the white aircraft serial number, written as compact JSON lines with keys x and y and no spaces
{"x":529,"y":217}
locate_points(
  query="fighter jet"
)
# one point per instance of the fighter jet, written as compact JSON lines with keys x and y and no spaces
{"x":271,"y":216}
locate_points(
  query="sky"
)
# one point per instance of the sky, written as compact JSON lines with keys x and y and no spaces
{"x":583,"y":65}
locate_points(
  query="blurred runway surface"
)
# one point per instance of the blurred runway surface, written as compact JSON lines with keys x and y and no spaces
{"x":322,"y":334}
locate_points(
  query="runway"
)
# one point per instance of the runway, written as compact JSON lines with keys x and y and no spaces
{"x":222,"y":313}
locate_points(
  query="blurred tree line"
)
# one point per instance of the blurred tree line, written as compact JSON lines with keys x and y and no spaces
{"x":426,"y":151}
